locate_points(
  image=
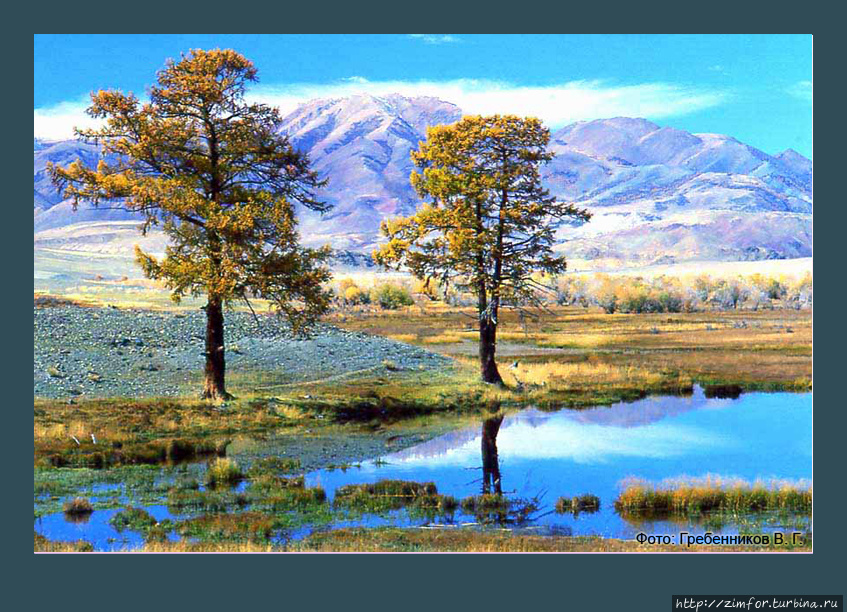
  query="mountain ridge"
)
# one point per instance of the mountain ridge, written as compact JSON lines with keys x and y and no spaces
{"x":638,"y":178}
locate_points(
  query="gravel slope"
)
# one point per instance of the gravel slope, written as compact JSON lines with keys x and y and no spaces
{"x":109,"y":352}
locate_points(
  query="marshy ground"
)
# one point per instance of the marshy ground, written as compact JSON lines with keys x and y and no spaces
{"x":368,"y":383}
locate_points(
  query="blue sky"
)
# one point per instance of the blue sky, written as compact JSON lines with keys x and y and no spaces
{"x":757,"y":88}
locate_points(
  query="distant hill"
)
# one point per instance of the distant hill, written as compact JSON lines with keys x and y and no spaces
{"x":661,"y":194}
{"x":658,"y":194}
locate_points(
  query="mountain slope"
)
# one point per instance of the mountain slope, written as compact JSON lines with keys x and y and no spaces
{"x":658,"y":194}
{"x":362,"y":144}
{"x":661,"y":194}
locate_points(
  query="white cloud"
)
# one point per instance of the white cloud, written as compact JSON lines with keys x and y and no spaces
{"x":436,"y":39}
{"x":802,"y":90}
{"x":57,"y":122}
{"x":556,"y":105}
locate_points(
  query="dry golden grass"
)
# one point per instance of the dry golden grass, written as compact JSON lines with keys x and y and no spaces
{"x":392,"y":539}
{"x":769,"y":348}
{"x":407,"y":338}
{"x":561,"y":375}
{"x":42,"y":544}
{"x":711,"y":493}
{"x":442,"y":339}
{"x":94,"y":427}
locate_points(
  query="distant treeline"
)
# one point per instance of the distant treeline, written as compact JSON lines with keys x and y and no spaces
{"x":612,"y":293}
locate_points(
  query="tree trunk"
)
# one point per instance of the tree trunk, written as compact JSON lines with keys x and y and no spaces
{"x":215,"y":387}
{"x":487,"y":346}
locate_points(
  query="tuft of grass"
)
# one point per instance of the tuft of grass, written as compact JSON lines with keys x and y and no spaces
{"x":386,"y":495}
{"x":223,"y":471}
{"x":296,"y":498}
{"x":407,"y":338}
{"x":42,"y":544}
{"x":78,"y":506}
{"x":498,"y":509}
{"x":561,"y":375}
{"x":189,"y":500}
{"x":435,"y":504}
{"x":580,"y":503}
{"x":269,"y":465}
{"x":134,"y":519}
{"x":271,"y":482}
{"x":486,"y":503}
{"x":713,"y":494}
{"x":249,"y":526}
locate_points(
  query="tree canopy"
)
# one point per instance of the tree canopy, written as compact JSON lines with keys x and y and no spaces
{"x":488,"y":225}
{"x":215,"y":173}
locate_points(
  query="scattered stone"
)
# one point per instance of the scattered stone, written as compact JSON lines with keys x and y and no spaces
{"x":129,"y":343}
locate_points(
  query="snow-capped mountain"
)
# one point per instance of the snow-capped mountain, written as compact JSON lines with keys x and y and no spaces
{"x":658,"y":194}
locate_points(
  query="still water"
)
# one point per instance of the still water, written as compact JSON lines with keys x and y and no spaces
{"x":570,"y":452}
{"x":546,"y":455}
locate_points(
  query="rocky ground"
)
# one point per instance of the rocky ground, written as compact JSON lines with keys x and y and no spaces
{"x":110,"y":352}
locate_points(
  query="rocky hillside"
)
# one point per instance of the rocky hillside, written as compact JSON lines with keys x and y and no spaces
{"x":658,"y":194}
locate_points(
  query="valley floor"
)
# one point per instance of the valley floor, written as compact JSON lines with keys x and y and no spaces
{"x":420,"y":380}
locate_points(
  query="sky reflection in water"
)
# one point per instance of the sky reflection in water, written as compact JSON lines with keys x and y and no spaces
{"x":567,"y":453}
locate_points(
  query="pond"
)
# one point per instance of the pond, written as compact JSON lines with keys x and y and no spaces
{"x":570,"y":452}
{"x":543,"y":455}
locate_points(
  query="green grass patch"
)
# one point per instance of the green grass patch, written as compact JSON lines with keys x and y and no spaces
{"x":386,"y":495}
{"x":579,"y":503}
{"x":497,"y":508}
{"x":133,"y":519}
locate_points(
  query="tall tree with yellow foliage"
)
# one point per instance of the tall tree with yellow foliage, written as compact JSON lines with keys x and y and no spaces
{"x":488,"y":225}
{"x":217,"y":176}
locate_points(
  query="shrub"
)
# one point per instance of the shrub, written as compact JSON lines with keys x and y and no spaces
{"x":354,"y":296}
{"x":571,"y":291}
{"x":606,"y":295}
{"x":800,"y":294}
{"x":391,"y":297}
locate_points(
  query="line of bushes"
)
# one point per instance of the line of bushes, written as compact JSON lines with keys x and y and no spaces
{"x":635,"y":294}
{"x":387,"y":296}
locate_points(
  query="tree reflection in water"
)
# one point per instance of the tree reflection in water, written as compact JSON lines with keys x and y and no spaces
{"x":490,"y":461}
{"x":492,"y":506}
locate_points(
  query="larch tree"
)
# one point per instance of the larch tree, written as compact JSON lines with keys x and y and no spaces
{"x":487,"y":225}
{"x":216,"y":175}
